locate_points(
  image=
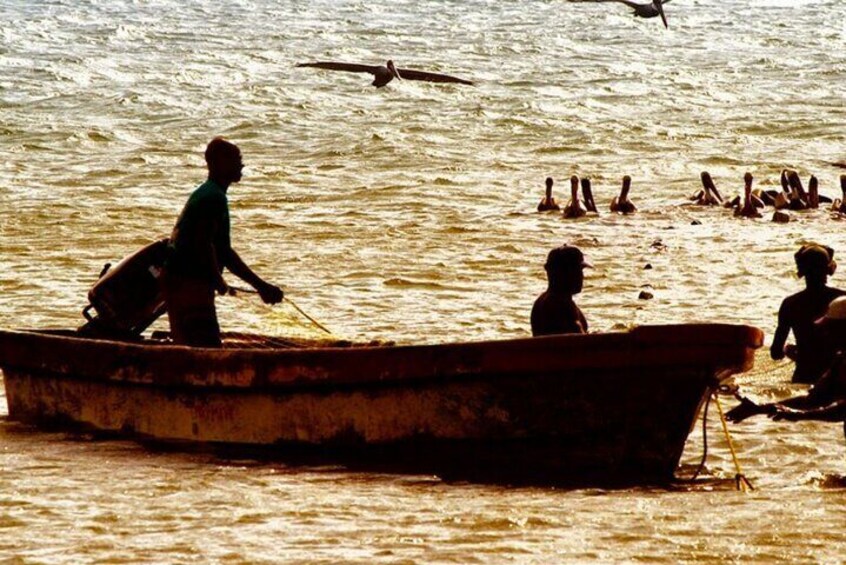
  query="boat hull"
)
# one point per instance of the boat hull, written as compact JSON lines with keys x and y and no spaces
{"x":520,"y":411}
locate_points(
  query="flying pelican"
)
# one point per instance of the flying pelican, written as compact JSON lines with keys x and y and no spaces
{"x":651,"y":10}
{"x":383,"y":74}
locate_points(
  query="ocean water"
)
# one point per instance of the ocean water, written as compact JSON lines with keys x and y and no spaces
{"x":408,"y":213}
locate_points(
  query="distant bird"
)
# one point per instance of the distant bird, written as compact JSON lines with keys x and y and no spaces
{"x":622,"y":204}
{"x":651,"y":10}
{"x":839,"y":205}
{"x":574,"y":209}
{"x":709,"y":195}
{"x":385,"y":74}
{"x":548,"y":203}
{"x":587,"y":194}
{"x":748,"y":209}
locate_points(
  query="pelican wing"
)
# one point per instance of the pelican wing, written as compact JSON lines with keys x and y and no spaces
{"x":336,"y":66}
{"x":628,"y":3}
{"x":411,"y":74}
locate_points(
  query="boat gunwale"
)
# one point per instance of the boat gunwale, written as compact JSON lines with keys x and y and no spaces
{"x":716,"y":346}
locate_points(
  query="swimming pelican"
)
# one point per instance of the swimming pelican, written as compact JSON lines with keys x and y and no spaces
{"x":574,"y":209}
{"x":782,"y":199}
{"x":651,"y":10}
{"x":709,"y":195}
{"x":813,"y":192}
{"x":748,"y":209}
{"x":798,"y":196}
{"x":840,"y":204}
{"x":383,"y":74}
{"x":621,"y":203}
{"x":587,"y":194}
{"x":548,"y":203}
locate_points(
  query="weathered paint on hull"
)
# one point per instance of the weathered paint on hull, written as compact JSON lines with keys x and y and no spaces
{"x":592,"y":426}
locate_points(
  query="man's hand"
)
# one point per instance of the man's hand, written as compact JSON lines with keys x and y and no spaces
{"x":270,"y":294}
{"x":221,"y":287}
{"x":791,"y":351}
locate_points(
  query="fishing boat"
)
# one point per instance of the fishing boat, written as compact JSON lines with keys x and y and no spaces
{"x":598,"y":409}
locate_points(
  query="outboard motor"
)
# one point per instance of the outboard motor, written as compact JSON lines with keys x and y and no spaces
{"x":129,"y":297}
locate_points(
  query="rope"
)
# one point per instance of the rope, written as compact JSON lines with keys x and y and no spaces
{"x":743,"y":484}
{"x":704,"y":438}
{"x":234,"y":290}
{"x":309,"y":318}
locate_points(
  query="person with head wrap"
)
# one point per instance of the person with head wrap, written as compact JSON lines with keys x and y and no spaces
{"x":815,"y":263}
{"x":826,"y":400}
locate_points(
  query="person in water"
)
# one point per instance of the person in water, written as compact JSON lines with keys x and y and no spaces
{"x":198,"y":250}
{"x":554,"y":311}
{"x":548,"y":203}
{"x":826,"y":400}
{"x":798,"y":312}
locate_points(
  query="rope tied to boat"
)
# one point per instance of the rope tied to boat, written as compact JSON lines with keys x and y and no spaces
{"x":742,"y":482}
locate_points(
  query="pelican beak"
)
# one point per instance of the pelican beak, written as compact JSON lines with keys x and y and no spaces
{"x":393,"y":69}
{"x":660,"y":7}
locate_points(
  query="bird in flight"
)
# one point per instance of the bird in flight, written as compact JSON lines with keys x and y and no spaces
{"x":651,"y":10}
{"x":383,"y":74}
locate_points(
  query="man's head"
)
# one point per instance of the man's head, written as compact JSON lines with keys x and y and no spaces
{"x":832,"y":325}
{"x":815,"y":262}
{"x":565,"y":269}
{"x":224,"y":161}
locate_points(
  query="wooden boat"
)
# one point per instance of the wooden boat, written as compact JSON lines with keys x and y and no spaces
{"x":599,"y":409}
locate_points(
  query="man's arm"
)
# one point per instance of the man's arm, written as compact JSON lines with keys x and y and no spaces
{"x":835,"y":412}
{"x":271,"y":294}
{"x":781,"y":333}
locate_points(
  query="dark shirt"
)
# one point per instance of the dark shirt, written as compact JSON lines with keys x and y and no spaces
{"x":556,"y":313}
{"x":202,"y":226}
{"x":798,"y":313}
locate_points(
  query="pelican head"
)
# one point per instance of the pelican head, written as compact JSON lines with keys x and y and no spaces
{"x":393,"y":69}
{"x":627,"y":184}
{"x":574,"y":187}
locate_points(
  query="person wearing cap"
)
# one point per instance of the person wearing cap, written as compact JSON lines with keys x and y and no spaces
{"x":798,"y":312}
{"x":200,"y":248}
{"x":825,"y":400}
{"x":554,"y":311}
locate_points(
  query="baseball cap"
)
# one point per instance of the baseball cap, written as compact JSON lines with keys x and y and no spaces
{"x":566,"y":256}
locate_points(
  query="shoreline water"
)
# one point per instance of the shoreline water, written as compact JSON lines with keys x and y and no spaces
{"x":408,"y":213}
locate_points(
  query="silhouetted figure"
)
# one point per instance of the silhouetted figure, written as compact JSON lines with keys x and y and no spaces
{"x":621,"y":204}
{"x":554,"y":311}
{"x":748,"y":209}
{"x":382,"y":75}
{"x":651,"y":10}
{"x":709,"y":195}
{"x":574,"y":208}
{"x":587,"y":194}
{"x":548,"y":203}
{"x":200,"y":248}
{"x":826,"y":400}
{"x":798,"y":312}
